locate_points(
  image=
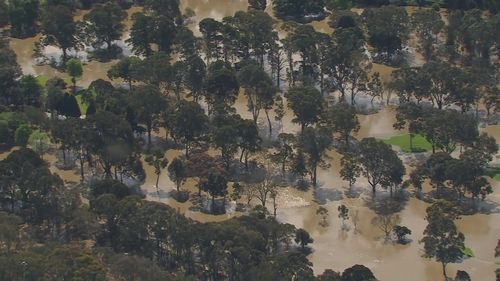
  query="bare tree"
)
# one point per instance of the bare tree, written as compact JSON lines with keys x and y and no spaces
{"x":386,"y":222}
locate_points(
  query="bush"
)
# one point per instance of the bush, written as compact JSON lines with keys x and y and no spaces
{"x":22,"y":135}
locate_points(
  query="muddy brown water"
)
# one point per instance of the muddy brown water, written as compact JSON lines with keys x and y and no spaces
{"x":332,"y":248}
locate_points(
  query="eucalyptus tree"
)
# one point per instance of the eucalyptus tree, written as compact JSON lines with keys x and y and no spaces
{"x":59,"y":29}
{"x":315,"y":142}
{"x":104,"y":24}
{"x":380,"y":164}
{"x":259,"y":89}
{"x":306,"y":104}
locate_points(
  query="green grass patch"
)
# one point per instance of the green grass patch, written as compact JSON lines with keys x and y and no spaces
{"x":420,"y":144}
{"x":497,"y":177}
{"x":468,"y":252}
{"x":83,"y":106}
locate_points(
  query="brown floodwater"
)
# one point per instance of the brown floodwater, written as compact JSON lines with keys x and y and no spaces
{"x":333,"y":247}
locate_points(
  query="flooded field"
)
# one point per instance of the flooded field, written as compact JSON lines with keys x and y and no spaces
{"x":333,"y":247}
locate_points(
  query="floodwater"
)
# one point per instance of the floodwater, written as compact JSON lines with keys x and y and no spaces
{"x":333,"y":247}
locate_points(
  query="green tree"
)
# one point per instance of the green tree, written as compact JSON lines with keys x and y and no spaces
{"x":141,"y":34}
{"x":387,"y":28}
{"x":427,"y":24}
{"x":216,"y":186}
{"x":342,"y":119}
{"x":23,"y":16}
{"x":358,"y":273}
{"x":222,"y":87}
{"x":22,"y":134}
{"x":75,"y":70}
{"x":307,"y":105}
{"x":188,"y":124}
{"x":350,"y":169}
{"x":147,"y":104}
{"x":297,"y":9}
{"x":380,"y":164}
{"x":314,"y":142}
{"x":10,"y":72}
{"x":195,"y":76}
{"x":258,"y":4}
{"x":31,"y":91}
{"x":158,"y":161}
{"x":39,"y":142}
{"x":442,"y":241}
{"x":177,"y":172}
{"x":126,"y":69}
{"x":59,"y":29}
{"x":103,"y":24}
{"x":303,"y":238}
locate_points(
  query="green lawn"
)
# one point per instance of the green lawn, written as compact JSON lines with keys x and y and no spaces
{"x":420,"y":144}
{"x":497,"y":177}
{"x":83,"y":106}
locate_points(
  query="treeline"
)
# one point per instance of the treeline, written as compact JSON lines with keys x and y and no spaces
{"x":46,"y":228}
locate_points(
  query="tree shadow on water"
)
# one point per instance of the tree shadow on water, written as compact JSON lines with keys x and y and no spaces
{"x":324,"y":195}
{"x":385,"y":204}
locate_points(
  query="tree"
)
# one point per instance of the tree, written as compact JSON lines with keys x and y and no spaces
{"x":315,"y":142}
{"x":259,"y":89}
{"x":177,"y":172}
{"x":103,"y":24}
{"x":350,"y":169}
{"x":188,"y":124}
{"x":31,"y":91}
{"x":141,"y":34}
{"x":68,"y":106}
{"x":126,"y":69}
{"x":410,"y":115}
{"x":222,"y":87}
{"x":258,"y":4}
{"x":10,"y":72}
{"x":195,"y":76}
{"x":22,"y":134}
{"x":23,"y":15}
{"x":387,"y":28}
{"x":216,"y":186}
{"x":343,"y":214}
{"x":284,"y":150}
{"x":342,"y":119}
{"x":386,"y":222}
{"x":147,"y":104}
{"x":39,"y":142}
{"x":358,"y":273}
{"x":303,"y":238}
{"x":59,"y":29}
{"x":442,"y":241}
{"x":427,"y":24}
{"x":401,"y":232}
{"x":346,"y":64}
{"x":307,"y":105}
{"x":264,"y":188}
{"x":380,"y":164}
{"x":158,"y":161}
{"x":297,"y":10}
{"x":74,"y":70}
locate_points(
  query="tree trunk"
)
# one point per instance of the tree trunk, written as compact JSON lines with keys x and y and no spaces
{"x":269,"y":123}
{"x":81,"y":166}
{"x":444,"y":271}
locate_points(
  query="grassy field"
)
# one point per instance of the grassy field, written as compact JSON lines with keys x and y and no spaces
{"x":420,"y":144}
